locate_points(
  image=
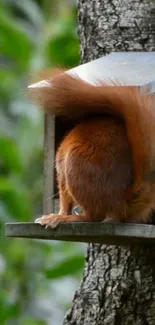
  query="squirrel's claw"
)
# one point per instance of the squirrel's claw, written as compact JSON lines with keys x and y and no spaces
{"x":51,"y":220}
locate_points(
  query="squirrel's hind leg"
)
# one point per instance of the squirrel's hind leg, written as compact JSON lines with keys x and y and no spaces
{"x":65,"y":212}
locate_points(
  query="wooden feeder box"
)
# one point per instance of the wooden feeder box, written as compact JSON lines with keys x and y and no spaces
{"x":131,"y":68}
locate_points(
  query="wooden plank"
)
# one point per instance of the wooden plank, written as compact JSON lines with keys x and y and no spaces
{"x":102,"y":233}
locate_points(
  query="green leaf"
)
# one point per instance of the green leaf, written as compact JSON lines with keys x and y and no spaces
{"x":9,"y":155}
{"x":69,"y":266}
{"x":61,"y":37}
{"x":68,"y":45}
{"x":14,"y":42}
{"x":5,"y":185}
{"x":18,"y":205}
{"x":8,"y":80}
{"x":16,"y":198}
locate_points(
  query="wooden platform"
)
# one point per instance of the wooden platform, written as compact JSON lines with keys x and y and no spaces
{"x":112,"y":234}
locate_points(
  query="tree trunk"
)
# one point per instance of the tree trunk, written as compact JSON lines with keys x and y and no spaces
{"x":118,"y":286}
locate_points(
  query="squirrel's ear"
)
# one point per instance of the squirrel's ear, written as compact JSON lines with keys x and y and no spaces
{"x":41,"y":84}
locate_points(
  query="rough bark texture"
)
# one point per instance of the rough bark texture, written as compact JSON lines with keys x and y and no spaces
{"x":118,"y":286}
{"x":115,"y":25}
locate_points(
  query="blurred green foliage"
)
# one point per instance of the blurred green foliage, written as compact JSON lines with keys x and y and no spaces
{"x":37,"y":278}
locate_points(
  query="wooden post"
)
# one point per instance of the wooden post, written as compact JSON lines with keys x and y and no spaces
{"x":49,"y":152}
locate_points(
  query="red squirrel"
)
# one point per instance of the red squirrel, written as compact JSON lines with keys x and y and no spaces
{"x":106,"y":163}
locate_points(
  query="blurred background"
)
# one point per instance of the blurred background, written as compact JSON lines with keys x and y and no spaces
{"x":37,"y":278}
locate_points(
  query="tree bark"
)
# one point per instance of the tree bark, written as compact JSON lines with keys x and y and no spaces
{"x":118,"y":286}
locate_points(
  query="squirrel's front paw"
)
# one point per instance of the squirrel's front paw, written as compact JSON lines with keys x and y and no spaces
{"x":51,"y":220}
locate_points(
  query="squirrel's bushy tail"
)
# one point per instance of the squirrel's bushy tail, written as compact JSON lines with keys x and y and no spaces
{"x":71,"y":97}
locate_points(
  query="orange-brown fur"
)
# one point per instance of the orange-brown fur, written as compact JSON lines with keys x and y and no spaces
{"x":106,"y":164}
